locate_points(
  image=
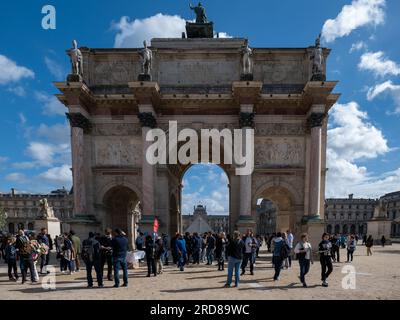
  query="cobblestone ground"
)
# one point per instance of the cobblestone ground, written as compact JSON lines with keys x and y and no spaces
{"x":377,"y":277}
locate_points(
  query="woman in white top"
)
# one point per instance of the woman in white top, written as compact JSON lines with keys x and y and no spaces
{"x":303,"y":252}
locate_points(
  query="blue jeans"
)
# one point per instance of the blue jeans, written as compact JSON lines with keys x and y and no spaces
{"x":120,"y":262}
{"x":210,"y":255}
{"x":182,"y":261}
{"x":233,"y":263}
{"x":304,"y":268}
{"x":97,"y":269}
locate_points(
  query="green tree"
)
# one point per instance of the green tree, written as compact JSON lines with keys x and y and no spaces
{"x":2,"y":218}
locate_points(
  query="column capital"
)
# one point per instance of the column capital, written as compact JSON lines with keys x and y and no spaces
{"x":147,"y":119}
{"x":79,"y":120}
{"x":246,"y":119}
{"x":315,"y":119}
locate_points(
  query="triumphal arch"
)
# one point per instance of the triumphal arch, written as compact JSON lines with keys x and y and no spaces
{"x":115,"y":96}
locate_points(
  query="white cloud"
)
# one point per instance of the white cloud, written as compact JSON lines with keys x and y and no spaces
{"x":358,"y":14}
{"x":16,"y":177}
{"x":357,"y":46}
{"x":132,"y":33}
{"x":55,"y":68}
{"x":58,"y":133}
{"x":11,"y":72}
{"x":61,"y":175}
{"x":351,"y":139}
{"x":386,"y":87}
{"x":51,"y":105}
{"x":46,"y":154}
{"x":22,"y":118}
{"x":19,"y":91}
{"x":377,"y":63}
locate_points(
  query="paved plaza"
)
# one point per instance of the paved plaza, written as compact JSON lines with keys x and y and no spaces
{"x":377,"y":277}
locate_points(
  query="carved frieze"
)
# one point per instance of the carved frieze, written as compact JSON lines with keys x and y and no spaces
{"x":278,"y":129}
{"x":279,"y":152}
{"x":117,"y":129}
{"x":118,"y":151}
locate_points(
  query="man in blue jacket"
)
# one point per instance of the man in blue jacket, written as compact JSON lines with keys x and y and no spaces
{"x":120,"y":249}
{"x":181,"y":250}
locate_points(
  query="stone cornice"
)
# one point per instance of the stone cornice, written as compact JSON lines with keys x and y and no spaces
{"x":79,"y":120}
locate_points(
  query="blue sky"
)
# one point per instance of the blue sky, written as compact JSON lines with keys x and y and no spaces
{"x":363,"y":151}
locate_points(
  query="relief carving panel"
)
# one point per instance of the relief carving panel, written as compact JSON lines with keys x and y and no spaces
{"x":118,"y":152}
{"x":279,"y":152}
{"x":117,"y":129}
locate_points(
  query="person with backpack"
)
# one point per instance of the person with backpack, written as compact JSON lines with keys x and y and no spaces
{"x":25,"y":255}
{"x":234,"y":251}
{"x":119,"y":246}
{"x":351,"y":247}
{"x":369,"y":244}
{"x":280,"y":252}
{"x":90,"y":255}
{"x":106,"y":253}
{"x":250,"y":246}
{"x":325,"y":259}
{"x":303,"y":253}
{"x":10,"y":257}
{"x":150,"y":250}
{"x":335,"y":241}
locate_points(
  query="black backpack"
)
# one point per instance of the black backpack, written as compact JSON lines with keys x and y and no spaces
{"x":285,"y":251}
{"x":87,"y":253}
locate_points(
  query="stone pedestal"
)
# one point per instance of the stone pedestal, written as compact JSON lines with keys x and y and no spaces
{"x":52,"y":225}
{"x":244,"y":223}
{"x":200,"y":30}
{"x":144,"y":77}
{"x":379,"y":227}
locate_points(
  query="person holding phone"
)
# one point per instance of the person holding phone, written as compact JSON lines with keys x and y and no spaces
{"x":303,"y":253}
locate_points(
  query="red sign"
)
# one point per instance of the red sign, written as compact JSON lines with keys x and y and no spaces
{"x":155,"y":225}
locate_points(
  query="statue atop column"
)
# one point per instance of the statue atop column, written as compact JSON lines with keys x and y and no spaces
{"x":317,"y":58}
{"x":147,"y":58}
{"x":45,"y":210}
{"x":202,"y":28}
{"x":76,"y":63}
{"x":247,"y":63}
{"x":200,"y":13}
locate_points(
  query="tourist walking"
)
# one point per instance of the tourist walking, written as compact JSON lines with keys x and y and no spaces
{"x":303,"y":253}
{"x":383,"y":241}
{"x":203,"y":248}
{"x":289,"y":242}
{"x":220,"y":251}
{"x":335,"y":241}
{"x":106,"y":254}
{"x":250,"y":246}
{"x":66,"y":254}
{"x":180,"y":245}
{"x":174,"y":252}
{"x":90,"y":254}
{"x":364,"y":239}
{"x":351,"y":247}
{"x":10,"y":257}
{"x":159,"y":251}
{"x":25,"y":255}
{"x":76,"y":246}
{"x":279,"y":254}
{"x":44,"y":258}
{"x":234,"y":250}
{"x":119,"y":246}
{"x":150,"y":256}
{"x":210,"y":248}
{"x":369,"y":244}
{"x":197,"y":243}
{"x":325,"y":259}
{"x":166,"y":246}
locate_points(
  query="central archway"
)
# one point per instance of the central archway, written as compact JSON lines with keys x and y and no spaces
{"x":121,"y":205}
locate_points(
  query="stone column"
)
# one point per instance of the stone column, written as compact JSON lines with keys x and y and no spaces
{"x":148,"y":122}
{"x":79,"y":125}
{"x":315,"y":122}
{"x":246,"y":220}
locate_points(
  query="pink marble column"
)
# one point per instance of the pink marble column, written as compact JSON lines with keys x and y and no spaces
{"x":78,"y":124}
{"x":147,"y":177}
{"x":315,"y":121}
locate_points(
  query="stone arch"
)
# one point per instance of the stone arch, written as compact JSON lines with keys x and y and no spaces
{"x":284,"y":201}
{"x":108,"y":186}
{"x":296,"y":197}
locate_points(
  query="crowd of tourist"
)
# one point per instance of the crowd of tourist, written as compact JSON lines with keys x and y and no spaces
{"x":238,"y":252}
